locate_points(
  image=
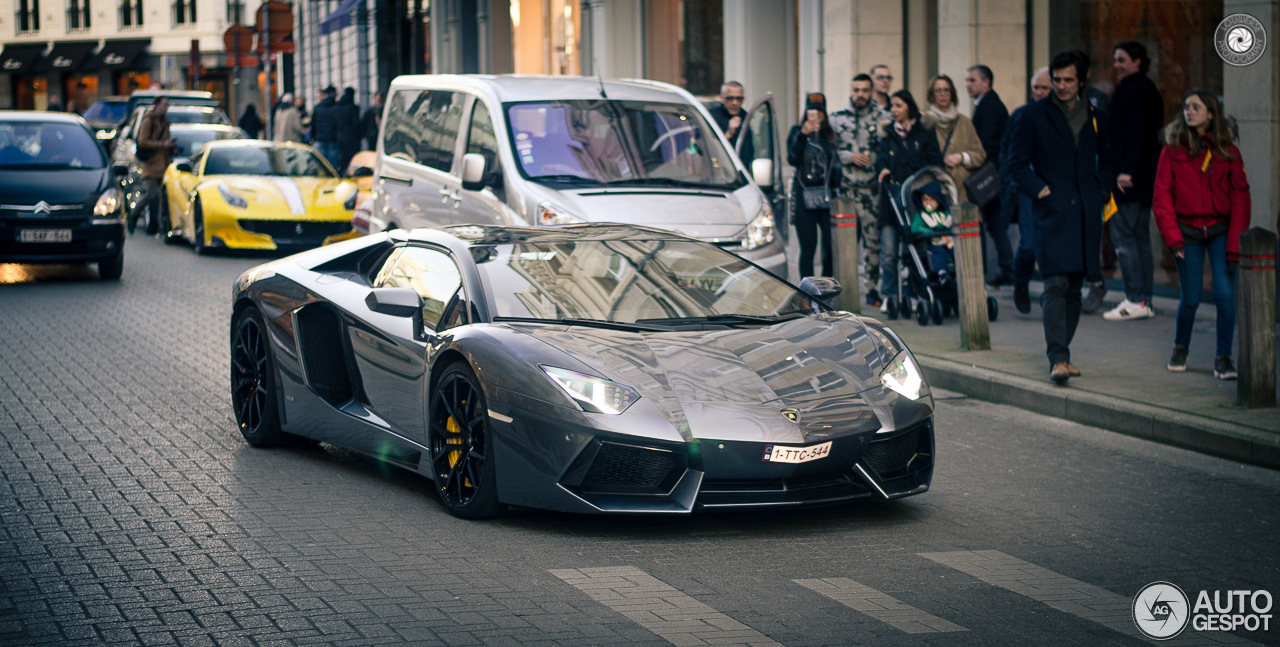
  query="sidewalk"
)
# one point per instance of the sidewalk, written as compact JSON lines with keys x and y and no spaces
{"x":1123,"y":386}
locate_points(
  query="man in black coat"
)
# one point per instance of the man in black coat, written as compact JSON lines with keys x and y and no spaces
{"x":990,"y":118}
{"x":325,"y":125}
{"x":348,"y":115}
{"x":1136,"y":115}
{"x":1060,"y":156}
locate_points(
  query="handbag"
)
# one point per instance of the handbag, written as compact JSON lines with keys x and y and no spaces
{"x":984,"y":185}
{"x":815,"y":197}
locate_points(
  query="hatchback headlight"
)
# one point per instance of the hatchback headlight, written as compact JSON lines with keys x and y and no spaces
{"x":593,"y":394}
{"x":108,"y":203}
{"x":550,"y":214}
{"x":760,"y":231}
{"x":231,"y":197}
{"x":903,"y":376}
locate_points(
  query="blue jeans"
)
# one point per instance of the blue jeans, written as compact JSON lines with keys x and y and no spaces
{"x":1024,"y":261}
{"x":332,"y":153}
{"x":1130,"y":232}
{"x":1191,"y":282}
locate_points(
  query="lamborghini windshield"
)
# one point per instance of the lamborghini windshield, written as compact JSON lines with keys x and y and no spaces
{"x":630,"y":143}
{"x":633,"y":281}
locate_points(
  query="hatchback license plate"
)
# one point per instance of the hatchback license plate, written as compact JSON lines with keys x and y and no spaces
{"x":44,"y":235}
{"x":783,"y":454}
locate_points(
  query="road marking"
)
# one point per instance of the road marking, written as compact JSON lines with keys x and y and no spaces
{"x":881,"y":606}
{"x":1060,"y":592}
{"x":660,"y":607}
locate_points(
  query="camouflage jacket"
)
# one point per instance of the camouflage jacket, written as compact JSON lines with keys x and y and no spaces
{"x":857,"y":132}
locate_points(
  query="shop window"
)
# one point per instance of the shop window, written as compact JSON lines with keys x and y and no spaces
{"x":28,"y":17}
{"x":130,"y":14}
{"x":184,"y":13}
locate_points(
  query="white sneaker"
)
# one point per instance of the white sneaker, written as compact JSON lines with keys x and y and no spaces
{"x":1128,"y":310}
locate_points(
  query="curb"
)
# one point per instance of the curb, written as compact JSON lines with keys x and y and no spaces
{"x":1178,"y":428}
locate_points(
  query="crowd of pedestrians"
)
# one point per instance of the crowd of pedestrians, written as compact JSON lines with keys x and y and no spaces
{"x":1072,"y":163}
{"x":335,"y":126}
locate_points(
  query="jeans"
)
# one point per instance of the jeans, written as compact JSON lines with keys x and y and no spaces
{"x":1024,"y":260}
{"x":148,"y":188}
{"x":1061,"y":305}
{"x":1130,"y":233}
{"x":332,"y":153}
{"x":1191,"y":282}
{"x":810,"y":224}
{"x":888,"y":260}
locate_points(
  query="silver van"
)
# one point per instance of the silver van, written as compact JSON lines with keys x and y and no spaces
{"x":548,"y":150}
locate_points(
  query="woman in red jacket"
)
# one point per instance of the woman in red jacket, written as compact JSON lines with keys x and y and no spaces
{"x":1202,"y":205}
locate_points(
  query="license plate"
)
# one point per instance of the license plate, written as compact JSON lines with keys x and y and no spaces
{"x":784,"y":454}
{"x":44,"y":235}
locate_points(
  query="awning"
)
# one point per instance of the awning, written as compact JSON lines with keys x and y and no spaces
{"x":341,"y":17}
{"x":118,"y":55}
{"x":19,"y":59}
{"x":67,"y":57}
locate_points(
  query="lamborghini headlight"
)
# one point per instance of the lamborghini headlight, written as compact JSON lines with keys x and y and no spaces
{"x":593,"y":394}
{"x":231,"y":197}
{"x":108,"y":204}
{"x":760,"y":231}
{"x":903,"y":376}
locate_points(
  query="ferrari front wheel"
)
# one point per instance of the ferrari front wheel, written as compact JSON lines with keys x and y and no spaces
{"x":460,"y":441}
{"x":253,"y":388}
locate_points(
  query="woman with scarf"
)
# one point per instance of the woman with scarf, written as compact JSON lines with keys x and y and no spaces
{"x":811,"y":149}
{"x":962,"y":151}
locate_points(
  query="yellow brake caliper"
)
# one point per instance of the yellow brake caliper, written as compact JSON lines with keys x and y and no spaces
{"x":455,"y":438}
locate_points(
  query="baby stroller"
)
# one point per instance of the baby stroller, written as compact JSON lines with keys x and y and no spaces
{"x":928,"y":280}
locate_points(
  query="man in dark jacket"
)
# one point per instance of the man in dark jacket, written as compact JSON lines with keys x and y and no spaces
{"x":990,"y":118}
{"x":325,"y":126}
{"x":349,"y":134}
{"x":371,"y":122}
{"x":1061,"y":157}
{"x":1136,"y":115}
{"x":730,"y":114}
{"x":1024,"y":259}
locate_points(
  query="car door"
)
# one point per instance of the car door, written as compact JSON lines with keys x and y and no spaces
{"x":760,"y":140}
{"x":391,"y":360}
{"x":179,"y":194}
{"x":415,"y":184}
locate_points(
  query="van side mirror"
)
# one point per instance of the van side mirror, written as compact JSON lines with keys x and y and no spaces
{"x":473,"y":171}
{"x":762,"y":172}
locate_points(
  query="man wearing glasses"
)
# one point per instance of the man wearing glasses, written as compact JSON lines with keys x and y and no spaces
{"x":881,"y":82}
{"x":731,"y":117}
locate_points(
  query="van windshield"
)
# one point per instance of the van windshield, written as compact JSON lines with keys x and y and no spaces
{"x":626,"y":143}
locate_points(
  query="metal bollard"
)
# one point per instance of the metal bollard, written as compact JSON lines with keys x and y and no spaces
{"x":974,"y":331}
{"x":844,"y":242}
{"x":1256,"y":315}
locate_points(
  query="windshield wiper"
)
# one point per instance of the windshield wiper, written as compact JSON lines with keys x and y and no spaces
{"x":592,"y":323}
{"x":562,"y":177}
{"x":666,"y":181}
{"x":725,"y":319}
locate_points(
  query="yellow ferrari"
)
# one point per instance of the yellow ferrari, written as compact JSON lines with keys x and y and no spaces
{"x":254,"y":194}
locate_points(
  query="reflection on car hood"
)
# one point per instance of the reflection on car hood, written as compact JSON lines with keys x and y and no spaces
{"x":55,"y":186}
{"x":282,"y":196}
{"x":732,"y":383}
{"x":704,"y":213}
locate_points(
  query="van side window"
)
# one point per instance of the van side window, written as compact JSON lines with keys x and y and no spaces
{"x":422,"y":126}
{"x":430,"y":273}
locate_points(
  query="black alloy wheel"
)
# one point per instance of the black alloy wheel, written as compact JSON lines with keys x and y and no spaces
{"x":197,"y":217}
{"x":459,"y":440}
{"x":253,"y":388}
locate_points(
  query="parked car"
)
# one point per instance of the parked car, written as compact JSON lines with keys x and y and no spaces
{"x":176,"y":97}
{"x":126,"y":143}
{"x":104,"y":117}
{"x":59,"y":200}
{"x":531,"y":150}
{"x":188,"y":138}
{"x":585,"y":368}
{"x":256,"y":194}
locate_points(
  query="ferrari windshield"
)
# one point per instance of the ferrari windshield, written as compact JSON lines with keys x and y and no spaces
{"x":259,"y":160}
{"x":189,"y":140}
{"x":595,"y":142}
{"x":629,"y":281}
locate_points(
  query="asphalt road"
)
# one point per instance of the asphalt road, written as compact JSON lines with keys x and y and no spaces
{"x":131,"y":512}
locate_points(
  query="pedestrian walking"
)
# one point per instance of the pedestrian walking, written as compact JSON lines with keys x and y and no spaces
{"x":154,"y":152}
{"x":991,"y":119}
{"x":962,"y":150}
{"x":371,"y":122}
{"x":1024,"y":258}
{"x":857,"y":128}
{"x":906,"y":146}
{"x":250,"y":122}
{"x":1202,"y":205}
{"x":325,"y":125}
{"x":1136,"y":115}
{"x":289,"y":122}
{"x":347,"y":114}
{"x":811,"y":149}
{"x":1060,"y":156}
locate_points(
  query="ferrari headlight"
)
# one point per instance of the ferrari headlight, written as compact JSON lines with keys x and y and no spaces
{"x":231,"y":197}
{"x":550,"y":214}
{"x":760,"y":231}
{"x":593,"y":394}
{"x":903,"y":376}
{"x":108,"y":203}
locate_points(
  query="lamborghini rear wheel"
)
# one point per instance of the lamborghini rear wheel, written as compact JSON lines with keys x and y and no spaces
{"x":253,"y":388}
{"x":461,"y":448}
